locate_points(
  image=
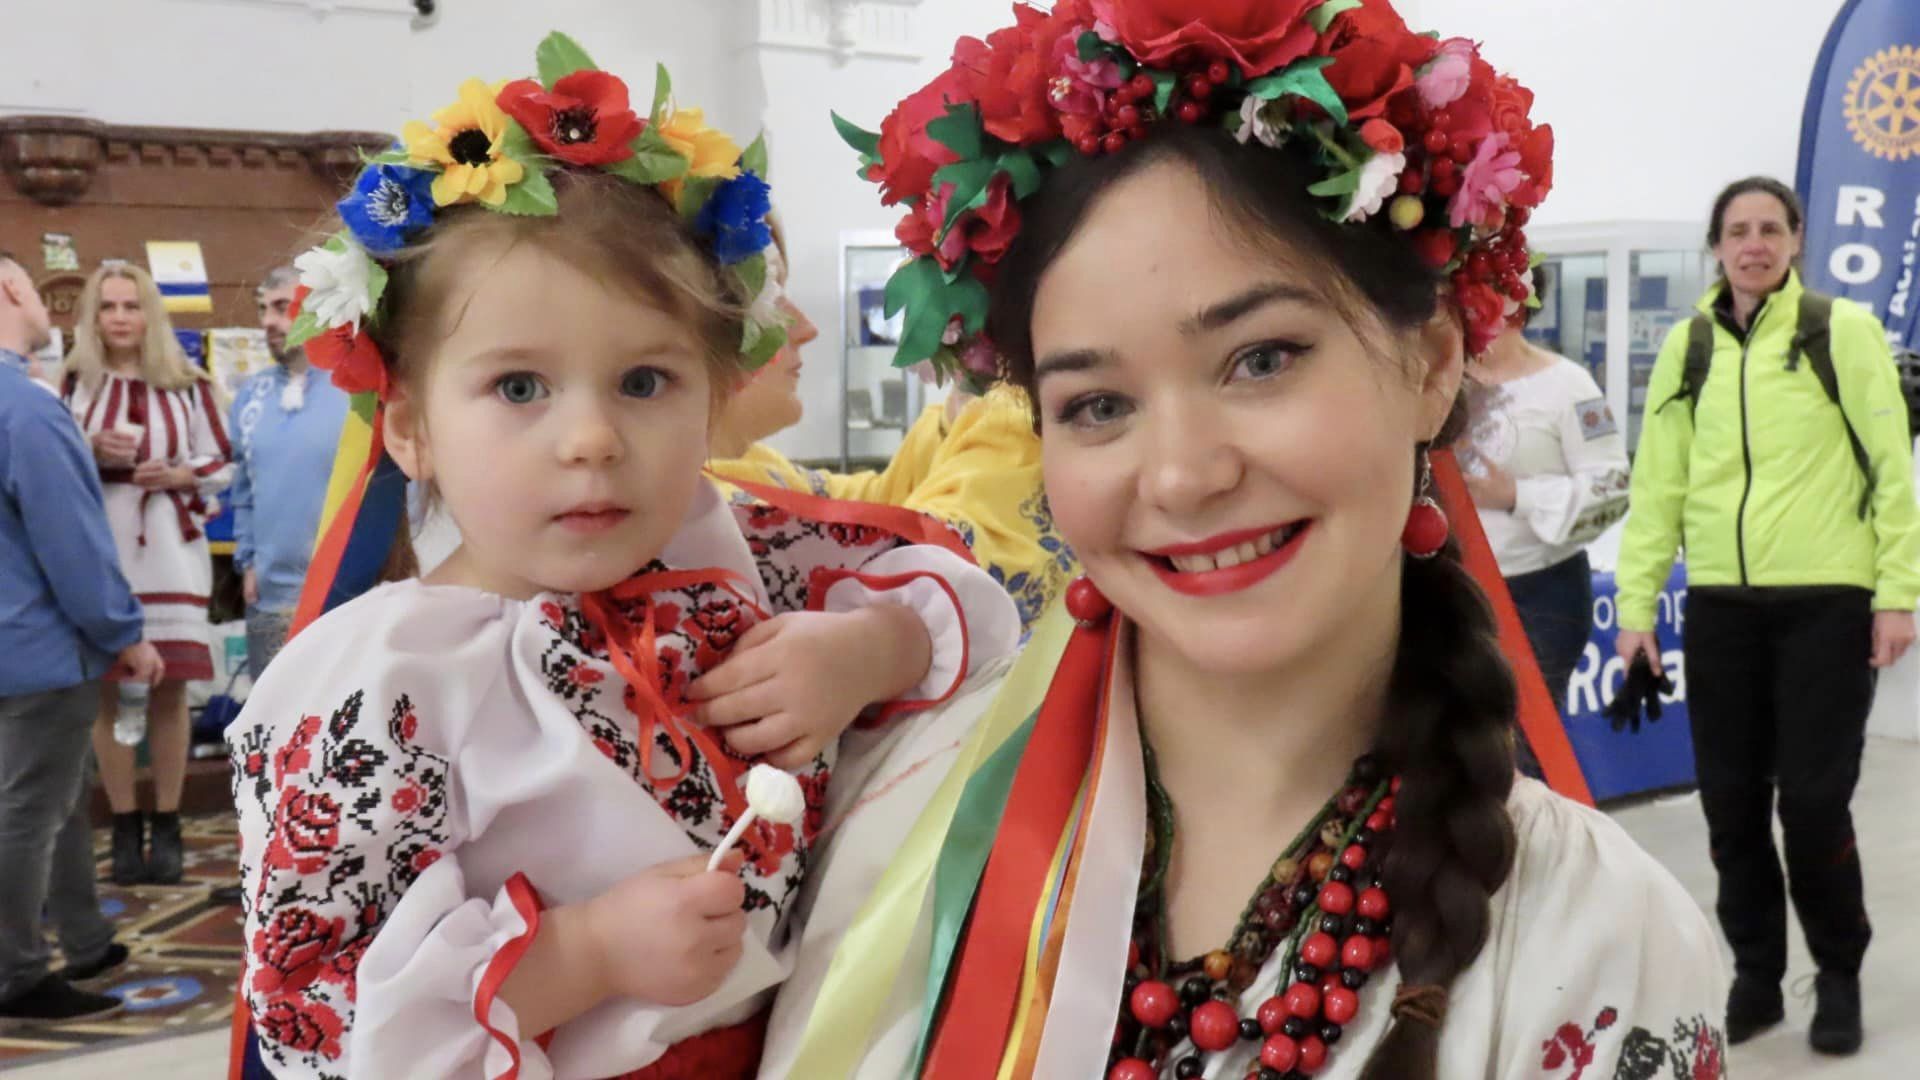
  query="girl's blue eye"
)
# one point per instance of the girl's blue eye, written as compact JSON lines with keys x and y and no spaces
{"x":643,"y":382}
{"x":519,"y":388}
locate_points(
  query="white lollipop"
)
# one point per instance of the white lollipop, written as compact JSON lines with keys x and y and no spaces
{"x":772,"y":794}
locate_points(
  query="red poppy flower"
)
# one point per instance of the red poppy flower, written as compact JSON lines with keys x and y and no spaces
{"x":908,"y":155}
{"x":353,"y":358}
{"x":1260,"y":36}
{"x":1009,"y":73}
{"x":584,"y":120}
{"x":1374,"y":57}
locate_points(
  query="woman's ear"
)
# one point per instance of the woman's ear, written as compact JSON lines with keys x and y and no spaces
{"x":403,"y":428}
{"x":1442,"y":346}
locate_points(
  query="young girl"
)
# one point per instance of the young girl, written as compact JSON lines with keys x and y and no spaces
{"x":476,"y":809}
{"x":155,"y":429}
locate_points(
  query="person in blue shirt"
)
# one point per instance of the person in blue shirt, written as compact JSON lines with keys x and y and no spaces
{"x":286,"y":425}
{"x":67,"y":617}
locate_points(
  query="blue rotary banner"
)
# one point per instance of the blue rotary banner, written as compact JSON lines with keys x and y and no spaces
{"x":1658,"y":757}
{"x":1860,"y":163}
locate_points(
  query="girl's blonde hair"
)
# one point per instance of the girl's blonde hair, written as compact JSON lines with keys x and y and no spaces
{"x":623,"y":234}
{"x":163,"y":363}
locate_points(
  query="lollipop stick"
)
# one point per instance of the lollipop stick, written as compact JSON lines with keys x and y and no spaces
{"x":733,"y":835}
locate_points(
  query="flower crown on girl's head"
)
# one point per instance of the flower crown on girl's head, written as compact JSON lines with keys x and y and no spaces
{"x":1408,"y":124}
{"x":498,"y":146}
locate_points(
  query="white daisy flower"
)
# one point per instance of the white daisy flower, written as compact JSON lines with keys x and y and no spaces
{"x":1379,"y":181}
{"x":341,"y":284}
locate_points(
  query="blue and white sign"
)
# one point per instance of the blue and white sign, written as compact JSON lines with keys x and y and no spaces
{"x":1860,"y":163}
{"x":1660,"y":755}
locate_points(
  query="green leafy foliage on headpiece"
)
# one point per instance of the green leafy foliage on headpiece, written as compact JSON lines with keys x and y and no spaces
{"x":1303,"y":79}
{"x":560,"y":56}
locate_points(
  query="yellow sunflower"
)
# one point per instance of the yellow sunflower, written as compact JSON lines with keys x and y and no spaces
{"x":466,"y":144}
{"x":709,"y":153}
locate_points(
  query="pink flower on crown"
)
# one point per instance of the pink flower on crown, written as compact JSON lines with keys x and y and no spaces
{"x":1442,"y":82}
{"x":1486,"y":182}
{"x":1079,"y":87}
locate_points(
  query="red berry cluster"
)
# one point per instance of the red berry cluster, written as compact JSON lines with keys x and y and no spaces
{"x":1296,"y":1028}
{"x":1130,"y":108}
{"x":1504,"y":261}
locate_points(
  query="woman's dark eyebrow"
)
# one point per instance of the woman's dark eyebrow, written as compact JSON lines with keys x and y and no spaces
{"x":1061,"y":363}
{"x":1227,"y":312}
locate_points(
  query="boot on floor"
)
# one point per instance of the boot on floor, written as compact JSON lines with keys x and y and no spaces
{"x":129,"y":837}
{"x":1836,"y":1014}
{"x":165,"y":860}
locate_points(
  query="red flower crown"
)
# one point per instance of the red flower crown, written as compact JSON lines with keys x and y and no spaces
{"x":1420,"y":128}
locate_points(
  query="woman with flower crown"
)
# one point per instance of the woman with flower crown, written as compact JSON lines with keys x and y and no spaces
{"x":486,"y":816}
{"x":1247,"y":807}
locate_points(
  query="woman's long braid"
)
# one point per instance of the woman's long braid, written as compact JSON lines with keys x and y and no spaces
{"x":1450,"y":738}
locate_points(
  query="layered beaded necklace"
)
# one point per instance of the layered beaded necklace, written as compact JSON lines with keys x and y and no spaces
{"x":1322,"y":909}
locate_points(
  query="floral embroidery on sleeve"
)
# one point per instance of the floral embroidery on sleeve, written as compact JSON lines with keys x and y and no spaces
{"x":1694,"y":1051}
{"x":339,"y":819}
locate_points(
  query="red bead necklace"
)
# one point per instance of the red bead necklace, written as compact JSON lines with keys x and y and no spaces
{"x":1322,"y":908}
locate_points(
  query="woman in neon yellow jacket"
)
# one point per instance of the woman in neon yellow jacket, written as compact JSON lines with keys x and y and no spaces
{"x":1795,"y":505}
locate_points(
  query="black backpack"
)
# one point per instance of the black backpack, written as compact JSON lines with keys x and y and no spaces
{"x":1813,"y":340}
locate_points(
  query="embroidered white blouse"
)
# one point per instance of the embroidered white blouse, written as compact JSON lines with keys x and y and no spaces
{"x":1554,"y":432}
{"x":1597,"y":963}
{"x":425,"y":768}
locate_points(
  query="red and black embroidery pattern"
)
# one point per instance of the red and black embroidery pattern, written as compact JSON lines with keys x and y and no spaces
{"x":1696,"y":1050}
{"x":354,"y":812}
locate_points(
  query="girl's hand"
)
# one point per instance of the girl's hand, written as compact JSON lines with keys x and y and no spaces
{"x":796,"y":681}
{"x":671,"y":934}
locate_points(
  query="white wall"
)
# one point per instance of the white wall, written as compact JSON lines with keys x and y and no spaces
{"x":315,"y":65}
{"x":1655,"y":104}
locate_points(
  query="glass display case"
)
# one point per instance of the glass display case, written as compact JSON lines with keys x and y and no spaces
{"x":1612,"y":294}
{"x":878,"y":402}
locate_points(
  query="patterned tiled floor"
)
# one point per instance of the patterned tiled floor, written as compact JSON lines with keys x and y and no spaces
{"x":186,"y":954}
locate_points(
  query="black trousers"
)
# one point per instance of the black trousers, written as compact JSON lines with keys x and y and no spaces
{"x":1778,"y":691}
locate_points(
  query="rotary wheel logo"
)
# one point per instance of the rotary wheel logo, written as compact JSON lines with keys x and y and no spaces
{"x":1883,"y":104}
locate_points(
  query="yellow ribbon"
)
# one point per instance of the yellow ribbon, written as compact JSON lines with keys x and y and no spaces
{"x":867,"y":965}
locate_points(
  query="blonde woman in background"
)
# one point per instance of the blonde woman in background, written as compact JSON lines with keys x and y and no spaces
{"x":154,"y":425}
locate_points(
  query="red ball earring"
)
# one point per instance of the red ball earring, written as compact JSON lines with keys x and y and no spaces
{"x":1086,"y":603}
{"x":1427,"y":528}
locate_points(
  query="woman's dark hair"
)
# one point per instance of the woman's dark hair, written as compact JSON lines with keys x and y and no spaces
{"x":1260,"y":190}
{"x":1754,"y":185}
{"x":1449,"y":730}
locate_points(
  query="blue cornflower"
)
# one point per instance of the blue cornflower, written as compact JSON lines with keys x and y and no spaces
{"x":389,"y":204}
{"x":735,"y":219}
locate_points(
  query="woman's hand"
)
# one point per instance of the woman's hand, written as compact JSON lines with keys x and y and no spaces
{"x":160,"y":476}
{"x":114,"y":449}
{"x":1493,"y":488}
{"x":1630,"y":643}
{"x":1893,"y":634}
{"x":796,"y":681}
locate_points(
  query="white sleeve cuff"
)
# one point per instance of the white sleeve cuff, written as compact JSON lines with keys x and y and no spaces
{"x":970,"y":619}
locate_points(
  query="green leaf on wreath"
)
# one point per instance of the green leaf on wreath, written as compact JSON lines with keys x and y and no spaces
{"x":1322,"y":17}
{"x":754,"y":157}
{"x":532,"y":196}
{"x":560,"y":56}
{"x":959,"y":131}
{"x":1303,"y":79}
{"x":864,"y":142}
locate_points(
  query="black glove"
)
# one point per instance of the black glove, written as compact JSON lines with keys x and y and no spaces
{"x":1641,"y":691}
